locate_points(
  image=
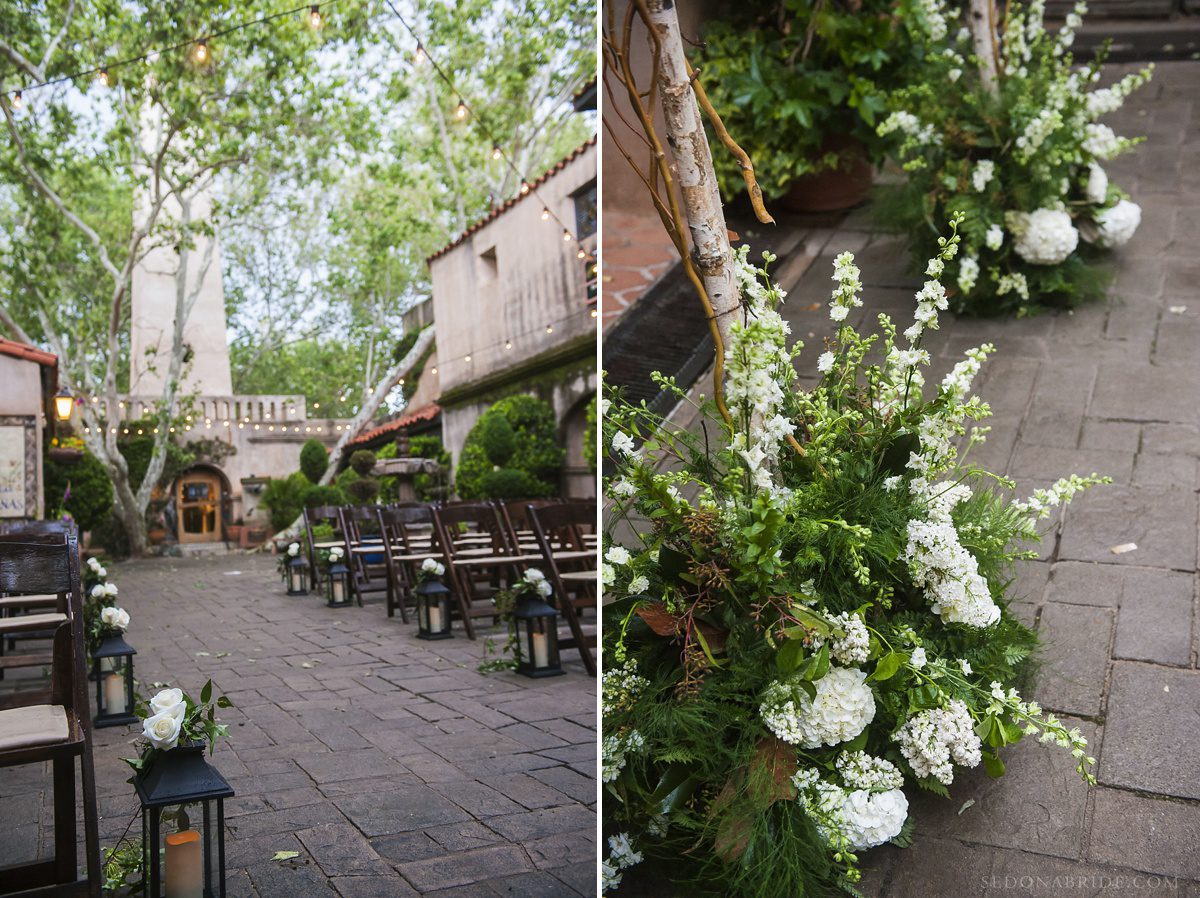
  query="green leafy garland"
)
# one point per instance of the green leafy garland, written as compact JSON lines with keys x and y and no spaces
{"x":802,"y":628}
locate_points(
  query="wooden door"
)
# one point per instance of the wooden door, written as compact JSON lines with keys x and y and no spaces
{"x":198,"y":501}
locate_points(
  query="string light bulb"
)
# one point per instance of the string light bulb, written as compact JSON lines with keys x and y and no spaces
{"x":420,"y":56}
{"x":545,"y":214}
{"x":16,"y":100}
{"x":495,"y":149}
{"x":582,"y":254}
{"x":595,"y":314}
{"x":566,"y":236}
{"x":460,"y":111}
{"x":508,"y":344}
{"x":549,"y":328}
{"x":102,"y":77}
{"x":201,"y":52}
{"x":524,"y":187}
{"x":314,"y":17}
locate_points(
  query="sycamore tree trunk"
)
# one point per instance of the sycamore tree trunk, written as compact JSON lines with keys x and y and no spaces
{"x":981,"y":18}
{"x":694,"y":167}
{"x":366,"y":413}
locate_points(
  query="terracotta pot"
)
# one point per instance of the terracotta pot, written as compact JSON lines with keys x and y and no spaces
{"x":833,"y":189}
{"x":156,"y":535}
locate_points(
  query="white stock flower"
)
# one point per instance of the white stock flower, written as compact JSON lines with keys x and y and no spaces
{"x":918,"y":659}
{"x":638,"y":585}
{"x":621,"y":856}
{"x":842,"y":709}
{"x":618,"y":555}
{"x":623,"y":487}
{"x":162,"y":730}
{"x":1115,"y":226}
{"x":622,"y":443}
{"x":934,"y":740}
{"x":968,"y":273}
{"x":994,"y":237}
{"x":965,"y":666}
{"x":1097,"y":184}
{"x":872,"y":818}
{"x":1044,"y":236}
{"x":825,"y":362}
{"x":860,"y":770}
{"x":855,"y":645}
{"x":1101,"y":141}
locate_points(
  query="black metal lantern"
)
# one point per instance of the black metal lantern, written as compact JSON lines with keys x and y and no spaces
{"x":297,"y":576}
{"x":189,"y":862}
{"x":337,"y":585}
{"x":537,"y":635}
{"x":112,"y":669}
{"x":433,"y":610}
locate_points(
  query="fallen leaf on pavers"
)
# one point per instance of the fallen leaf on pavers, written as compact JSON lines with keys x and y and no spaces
{"x":1177,"y":310}
{"x":969,"y":803}
{"x":233,"y":573}
{"x":251,"y":661}
{"x":812,"y":307}
{"x":1123,"y":548}
{"x":285,"y":855}
{"x":202,"y":654}
{"x":222,"y":654}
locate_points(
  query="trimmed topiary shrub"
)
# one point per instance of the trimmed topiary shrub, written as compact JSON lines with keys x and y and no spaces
{"x":510,"y":483}
{"x":284,"y":498}
{"x":362,"y":462}
{"x":323,"y":494}
{"x":314,"y":459}
{"x":536,"y":453}
{"x":497,"y":439}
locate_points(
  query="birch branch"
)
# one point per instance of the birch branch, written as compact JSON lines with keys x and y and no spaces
{"x":981,"y":18}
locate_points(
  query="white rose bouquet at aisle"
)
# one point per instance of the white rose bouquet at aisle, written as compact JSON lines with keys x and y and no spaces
{"x":813,"y":618}
{"x":172,"y":718}
{"x":1023,"y":161}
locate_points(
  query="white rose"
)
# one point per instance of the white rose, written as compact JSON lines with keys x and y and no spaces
{"x":433,"y":566}
{"x":97,"y":590}
{"x":167,"y":699}
{"x":115,"y":617}
{"x":544,"y":589}
{"x":101,"y":572}
{"x":110,"y":589}
{"x":534,"y":575}
{"x":93,"y":563}
{"x":294,"y":549}
{"x":162,"y":730}
{"x":1097,"y":184}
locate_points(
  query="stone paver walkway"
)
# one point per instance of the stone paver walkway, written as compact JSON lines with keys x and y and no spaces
{"x":390,"y":764}
{"x":1112,"y":387}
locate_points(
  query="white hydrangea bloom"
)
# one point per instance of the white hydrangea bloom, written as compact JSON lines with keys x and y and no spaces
{"x":1044,"y":236}
{"x":934,"y":740}
{"x":1116,"y":225}
{"x":1097,"y":184}
{"x":1101,"y":141}
{"x":872,"y":818}
{"x":842,"y":709}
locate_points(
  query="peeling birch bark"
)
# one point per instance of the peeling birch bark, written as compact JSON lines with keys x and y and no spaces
{"x":980,"y":16}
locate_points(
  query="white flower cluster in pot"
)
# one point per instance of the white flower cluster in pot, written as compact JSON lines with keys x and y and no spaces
{"x":162,"y":728}
{"x":102,"y":590}
{"x":117,"y":618}
{"x":293,"y":549}
{"x":96,"y":567}
{"x":433,"y":566}
{"x":843,"y":707}
{"x":933,"y":741}
{"x":1044,"y":236}
{"x":1115,"y":225}
{"x":535,"y":578}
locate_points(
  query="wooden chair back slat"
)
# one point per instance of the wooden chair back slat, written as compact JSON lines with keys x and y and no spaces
{"x":563,"y":525}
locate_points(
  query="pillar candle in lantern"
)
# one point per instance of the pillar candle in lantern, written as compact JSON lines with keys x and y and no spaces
{"x":435,"y":618}
{"x":541,"y":656}
{"x":114,"y":693}
{"x":184,"y":874}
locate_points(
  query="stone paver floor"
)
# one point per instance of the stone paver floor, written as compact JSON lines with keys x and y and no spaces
{"x":1113,"y":387}
{"x":391,"y":765}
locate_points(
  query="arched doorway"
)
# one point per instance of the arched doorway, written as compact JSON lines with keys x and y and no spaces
{"x":198,"y":501}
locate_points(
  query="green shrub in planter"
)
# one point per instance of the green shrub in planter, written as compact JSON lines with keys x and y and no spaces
{"x":788,"y":77}
{"x":284,"y":497}
{"x":509,"y":483}
{"x":537,"y":451}
{"x":314,"y":459}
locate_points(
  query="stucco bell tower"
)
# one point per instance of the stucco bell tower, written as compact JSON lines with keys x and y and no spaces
{"x":206,"y":361}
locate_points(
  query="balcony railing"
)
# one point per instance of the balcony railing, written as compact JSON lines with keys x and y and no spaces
{"x":222,"y":409}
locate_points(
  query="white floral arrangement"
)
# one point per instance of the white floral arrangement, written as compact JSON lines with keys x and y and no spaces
{"x":114,"y":619}
{"x":1023,"y":161}
{"x":813,"y":617}
{"x":431,"y":569}
{"x":172,"y":718}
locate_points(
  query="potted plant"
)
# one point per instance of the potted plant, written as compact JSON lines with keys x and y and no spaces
{"x":799,"y":83}
{"x":66,"y":450}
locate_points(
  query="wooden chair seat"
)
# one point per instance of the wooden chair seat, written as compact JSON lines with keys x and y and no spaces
{"x":331,"y":544}
{"x":31,"y":623}
{"x":578,"y":576}
{"x":33,"y":726}
{"x":491,"y":560}
{"x":573,"y":554}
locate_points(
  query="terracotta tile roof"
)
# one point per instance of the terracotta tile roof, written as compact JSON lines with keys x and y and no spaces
{"x":24,"y":351}
{"x":501,"y":208}
{"x":424,"y":413}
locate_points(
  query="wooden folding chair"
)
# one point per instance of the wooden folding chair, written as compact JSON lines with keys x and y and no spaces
{"x":59,"y":731}
{"x":313,"y":517}
{"x":365,"y":552}
{"x":408,"y":539}
{"x":514,"y":514}
{"x":560,"y":531}
{"x":480,"y":558}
